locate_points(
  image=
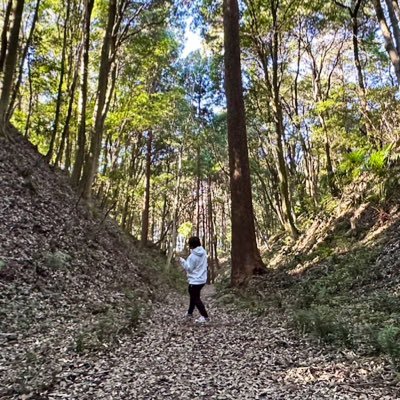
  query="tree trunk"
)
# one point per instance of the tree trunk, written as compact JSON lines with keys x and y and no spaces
{"x":91,"y":164}
{"x":65,"y":132}
{"x":30,"y":104}
{"x":246,"y":259}
{"x":211,"y":231}
{"x":367,"y":128}
{"x":146,"y":207}
{"x":198,"y":180}
{"x":174,"y":234}
{"x":4,"y":33}
{"x":389,"y":45}
{"x":395,"y":23}
{"x":23,"y":58}
{"x":290,"y":226}
{"x":10,"y":64}
{"x":49,"y":154}
{"x":80,"y":153}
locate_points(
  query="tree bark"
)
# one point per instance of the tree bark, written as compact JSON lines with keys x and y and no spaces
{"x":23,"y":58}
{"x":50,"y":152}
{"x":146,"y":206}
{"x":30,"y":104}
{"x":80,"y":153}
{"x":172,"y":243}
{"x":387,"y":35}
{"x":279,"y":127}
{"x":246,"y":259}
{"x":66,"y":129}
{"x":211,"y":231}
{"x":4,"y":33}
{"x":10,"y":64}
{"x":91,"y":164}
{"x":395,"y":23}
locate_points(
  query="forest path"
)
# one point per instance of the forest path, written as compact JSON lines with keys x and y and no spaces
{"x":233,"y":357}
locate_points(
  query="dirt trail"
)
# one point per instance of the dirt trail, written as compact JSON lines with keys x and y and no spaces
{"x":233,"y":357}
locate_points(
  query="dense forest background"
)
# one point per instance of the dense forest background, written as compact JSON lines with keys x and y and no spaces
{"x":104,"y":92}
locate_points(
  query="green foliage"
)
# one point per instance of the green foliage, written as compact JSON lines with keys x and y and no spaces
{"x":389,"y":342}
{"x":186,"y":229}
{"x":365,"y":160}
{"x":322,"y":322}
{"x":353,"y":163}
{"x":57,"y":260}
{"x":377,"y":161}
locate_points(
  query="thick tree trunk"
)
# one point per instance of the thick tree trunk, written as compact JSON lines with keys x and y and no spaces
{"x":10,"y":64}
{"x":387,"y":35}
{"x":91,"y":164}
{"x":146,"y":204}
{"x":80,"y":153}
{"x":246,"y":259}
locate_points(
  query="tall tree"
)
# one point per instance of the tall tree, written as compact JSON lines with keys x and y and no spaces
{"x":246,"y":259}
{"x":49,"y":154}
{"x":23,"y":59}
{"x":146,"y":206}
{"x":91,"y":164}
{"x":80,"y":153}
{"x":10,"y":64}
{"x":4,"y":38}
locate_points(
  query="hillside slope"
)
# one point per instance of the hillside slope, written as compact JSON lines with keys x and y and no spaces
{"x":340,"y":282}
{"x":69,"y":282}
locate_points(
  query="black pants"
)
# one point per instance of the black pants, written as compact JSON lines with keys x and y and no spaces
{"x":195,"y":301}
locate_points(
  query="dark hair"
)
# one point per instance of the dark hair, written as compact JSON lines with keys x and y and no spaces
{"x":194,"y":242}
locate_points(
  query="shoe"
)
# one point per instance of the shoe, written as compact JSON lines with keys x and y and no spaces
{"x":187,"y":317}
{"x":202,"y":320}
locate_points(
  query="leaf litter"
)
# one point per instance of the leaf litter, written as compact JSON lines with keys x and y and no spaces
{"x":65,"y":332}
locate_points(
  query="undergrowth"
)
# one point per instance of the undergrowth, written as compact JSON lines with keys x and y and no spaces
{"x":343,"y":298}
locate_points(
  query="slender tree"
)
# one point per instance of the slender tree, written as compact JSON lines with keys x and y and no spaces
{"x":146,"y":205}
{"x":92,"y":161}
{"x":80,"y":153}
{"x":246,"y":259}
{"x":59,"y":101}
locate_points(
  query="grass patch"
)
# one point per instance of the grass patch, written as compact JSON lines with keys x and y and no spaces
{"x":323,"y":323}
{"x":389,"y":343}
{"x":109,"y":323}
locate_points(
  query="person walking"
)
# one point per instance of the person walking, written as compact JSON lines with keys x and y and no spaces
{"x":196,"y":270}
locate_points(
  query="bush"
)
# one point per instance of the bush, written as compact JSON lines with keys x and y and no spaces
{"x":389,"y":342}
{"x":322,"y":322}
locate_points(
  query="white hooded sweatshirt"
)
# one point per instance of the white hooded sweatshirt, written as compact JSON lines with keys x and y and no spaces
{"x":196,"y":266}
